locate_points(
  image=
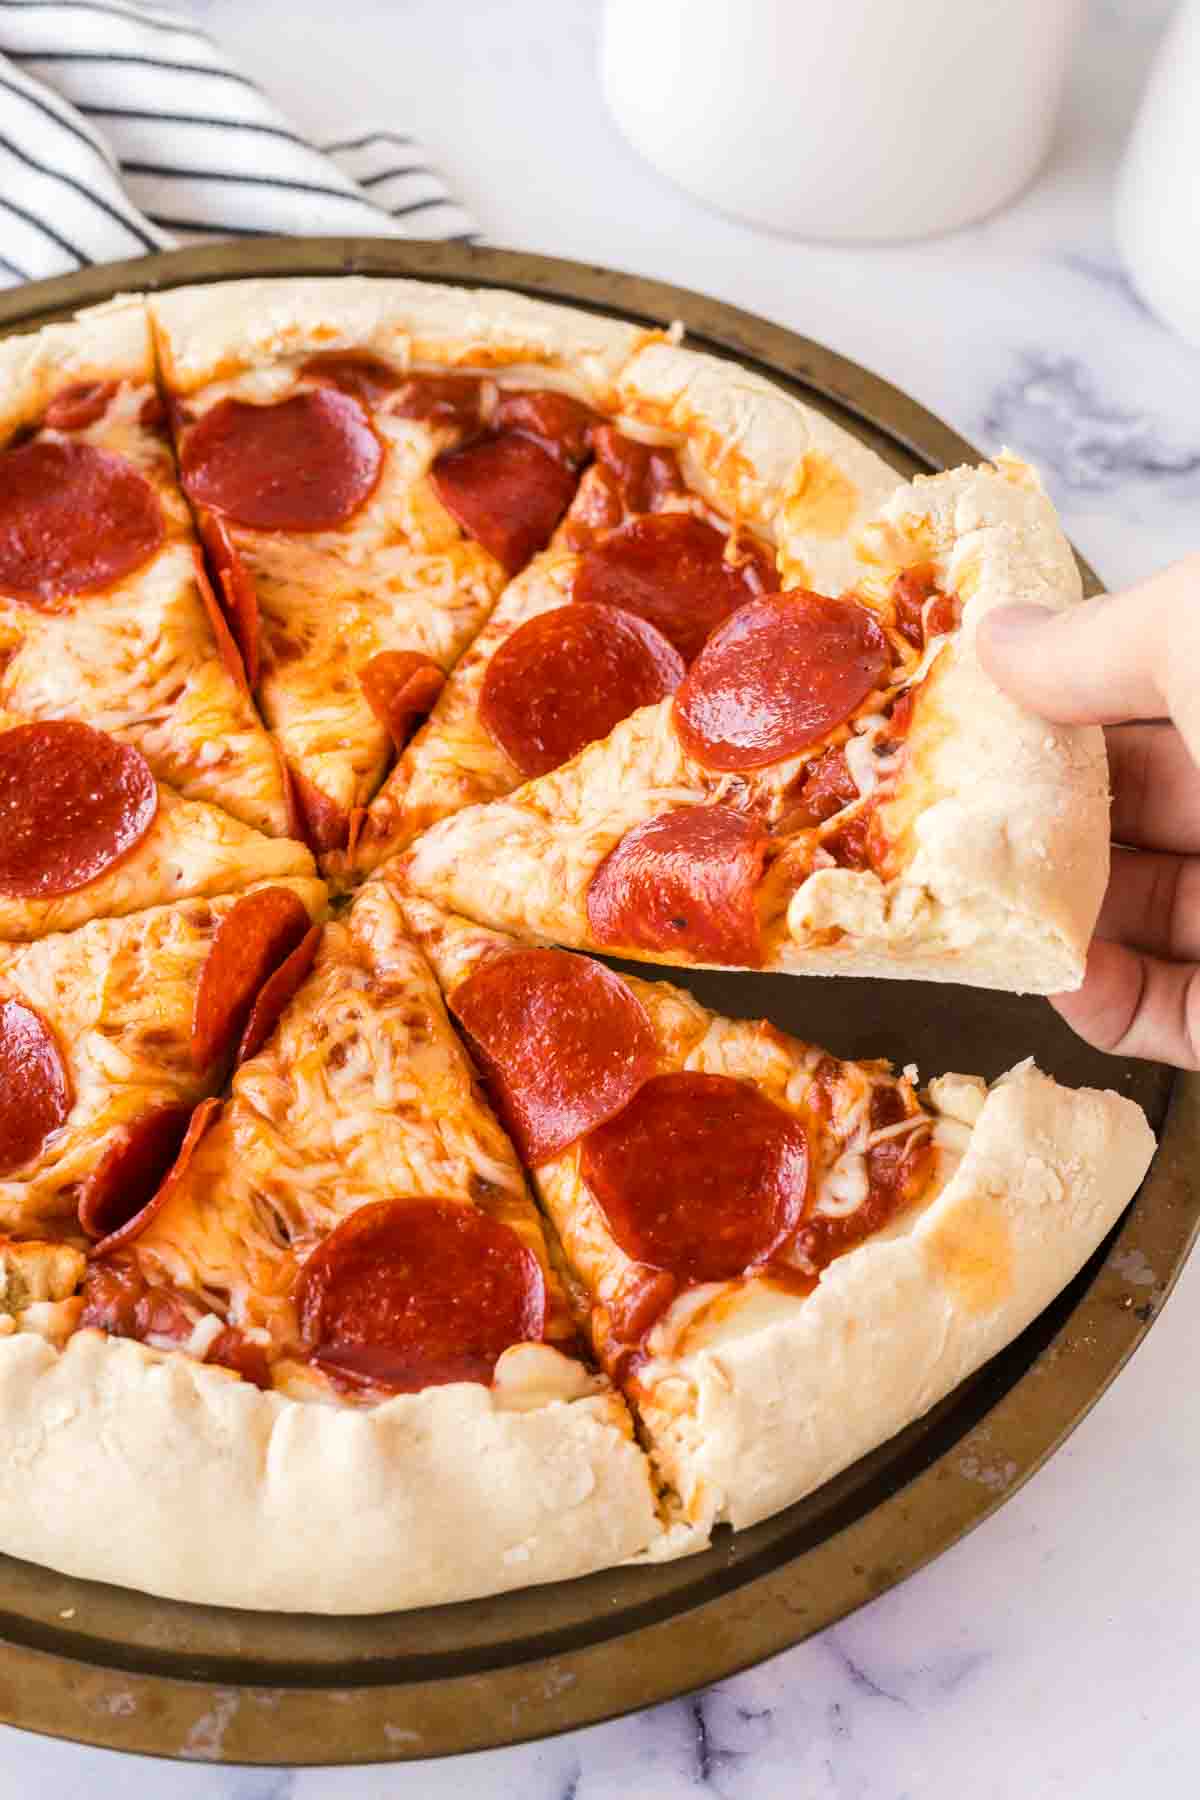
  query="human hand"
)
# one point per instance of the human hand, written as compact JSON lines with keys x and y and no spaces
{"x":1131,"y":662}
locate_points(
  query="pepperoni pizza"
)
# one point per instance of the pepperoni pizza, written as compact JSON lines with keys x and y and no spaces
{"x":379,"y":1210}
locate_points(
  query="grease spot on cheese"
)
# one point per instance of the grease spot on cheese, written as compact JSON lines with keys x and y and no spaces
{"x":972,"y":1252}
{"x":823,"y":500}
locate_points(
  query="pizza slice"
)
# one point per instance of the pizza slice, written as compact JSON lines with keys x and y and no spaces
{"x":369,"y":461}
{"x":350,"y":1231}
{"x":835,"y":786}
{"x":787,"y":1257}
{"x":110,"y":1035}
{"x":87,"y":832}
{"x":703,"y":493}
{"x":104,"y":605}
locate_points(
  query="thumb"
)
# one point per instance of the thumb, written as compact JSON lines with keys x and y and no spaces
{"x":1122,"y":656}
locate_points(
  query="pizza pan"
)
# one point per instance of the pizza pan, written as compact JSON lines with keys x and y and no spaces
{"x":104,"y":1666}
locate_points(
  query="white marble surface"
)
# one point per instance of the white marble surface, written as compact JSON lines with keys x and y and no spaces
{"x":1054,"y":1652}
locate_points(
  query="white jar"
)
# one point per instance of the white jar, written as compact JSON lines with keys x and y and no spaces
{"x":1158,"y":192}
{"x":853,"y":119}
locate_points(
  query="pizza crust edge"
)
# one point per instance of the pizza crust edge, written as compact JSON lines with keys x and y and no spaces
{"x":988,"y":895}
{"x":172,"y":1477}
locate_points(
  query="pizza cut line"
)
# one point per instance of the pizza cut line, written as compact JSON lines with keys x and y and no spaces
{"x":399,"y":1193}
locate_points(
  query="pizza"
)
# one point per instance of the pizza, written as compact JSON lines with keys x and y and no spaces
{"x":373,"y":654}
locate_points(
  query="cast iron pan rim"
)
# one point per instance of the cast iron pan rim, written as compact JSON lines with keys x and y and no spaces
{"x":59,"y":1681}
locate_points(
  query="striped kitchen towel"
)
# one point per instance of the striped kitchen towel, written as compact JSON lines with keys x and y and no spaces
{"x":125,"y":130}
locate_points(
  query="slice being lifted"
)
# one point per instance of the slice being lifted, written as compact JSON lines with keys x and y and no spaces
{"x":353,"y":1231}
{"x":86,"y":832}
{"x":836,"y":786}
{"x":369,"y":461}
{"x":698,"y":495}
{"x":787,"y":1257}
{"x":105,"y":611}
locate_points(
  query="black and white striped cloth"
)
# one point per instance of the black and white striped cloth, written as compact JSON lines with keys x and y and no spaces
{"x":125,"y":129}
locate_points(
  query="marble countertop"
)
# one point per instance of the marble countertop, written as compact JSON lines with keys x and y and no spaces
{"x":1053,"y":1652}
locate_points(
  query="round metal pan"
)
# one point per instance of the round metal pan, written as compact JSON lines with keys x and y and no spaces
{"x":105,"y":1666}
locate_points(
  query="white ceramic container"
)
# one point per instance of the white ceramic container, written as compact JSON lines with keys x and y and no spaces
{"x":851,"y":119}
{"x":1158,"y":191}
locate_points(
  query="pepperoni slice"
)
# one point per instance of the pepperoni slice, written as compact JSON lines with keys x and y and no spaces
{"x":231,"y":656}
{"x":563,"y":1041}
{"x":152,"y":414}
{"x":408,"y":1294}
{"x":828,"y":788}
{"x":645,"y":475}
{"x":910,"y":590}
{"x":132,"y":1169}
{"x":73,"y":801}
{"x":400,"y":687}
{"x":313,"y":817}
{"x":35,"y":1090}
{"x":507,"y":493}
{"x":777,"y":677}
{"x":683,"y":882}
{"x":558,"y":423}
{"x":365,"y":378}
{"x":232,"y":1349}
{"x":567,"y":677}
{"x":73,"y":519}
{"x":274,"y":994}
{"x":671,"y":569}
{"x":137,"y":1222}
{"x":81,"y":404}
{"x":118,"y":1299}
{"x":435,"y":398}
{"x":238,"y":594}
{"x":700,"y":1176}
{"x":303,"y":464}
{"x":251,"y":941}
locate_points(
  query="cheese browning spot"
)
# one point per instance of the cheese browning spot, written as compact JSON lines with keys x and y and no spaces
{"x":824,"y":501}
{"x":972,"y":1252}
